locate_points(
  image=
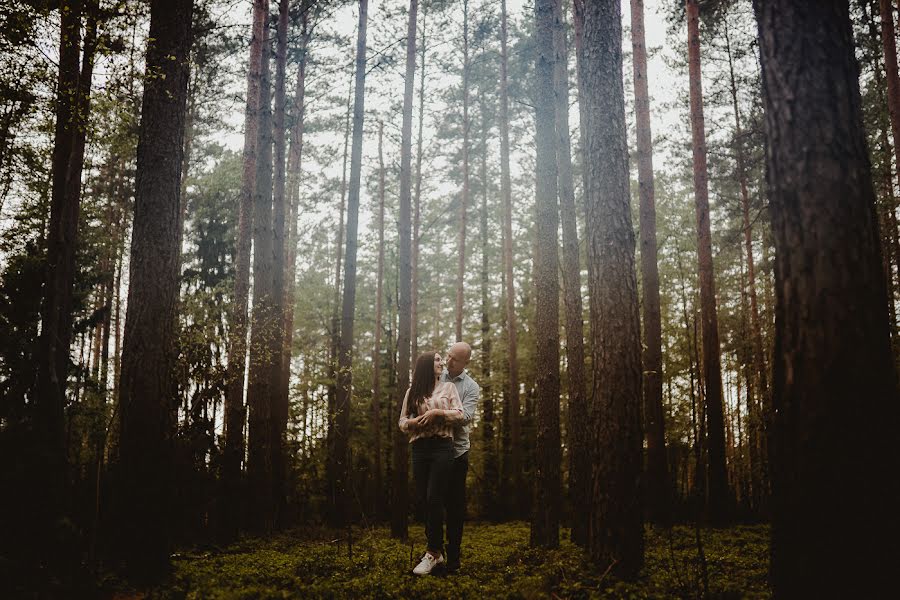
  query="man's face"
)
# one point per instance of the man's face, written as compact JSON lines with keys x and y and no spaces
{"x":457,"y":359}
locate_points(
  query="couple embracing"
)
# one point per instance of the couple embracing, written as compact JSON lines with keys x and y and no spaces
{"x":436,"y":415}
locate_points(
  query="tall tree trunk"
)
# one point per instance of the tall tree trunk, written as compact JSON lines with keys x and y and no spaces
{"x":616,"y":535}
{"x":491,"y":471}
{"x":578,"y":425}
{"x":835,"y":399}
{"x":376,"y":350}
{"x":279,"y":212}
{"x":417,"y":206}
{"x":72,"y":109}
{"x":404,"y":305}
{"x":263,"y":318}
{"x":511,"y":479}
{"x":658,"y":490}
{"x":336,"y":300}
{"x":889,"y":45}
{"x":719,"y":493}
{"x":295,"y":154}
{"x":760,"y":465}
{"x":235,"y":411}
{"x":340,"y":466}
{"x":547,"y":479}
{"x":148,"y":403}
{"x":464,"y":198}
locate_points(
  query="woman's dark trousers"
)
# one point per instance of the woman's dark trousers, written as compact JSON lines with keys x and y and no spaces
{"x":431,"y":459}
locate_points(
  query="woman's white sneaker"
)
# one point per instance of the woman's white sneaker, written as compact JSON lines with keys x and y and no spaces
{"x":428,"y":563}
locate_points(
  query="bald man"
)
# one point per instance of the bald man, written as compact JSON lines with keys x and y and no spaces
{"x":458,"y":358}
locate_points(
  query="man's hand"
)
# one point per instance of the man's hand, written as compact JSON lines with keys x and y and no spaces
{"x":430,"y":417}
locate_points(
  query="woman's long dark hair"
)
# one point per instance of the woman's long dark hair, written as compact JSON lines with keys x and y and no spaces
{"x":422,"y":383}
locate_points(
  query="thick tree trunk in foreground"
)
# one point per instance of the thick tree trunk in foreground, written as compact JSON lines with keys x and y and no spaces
{"x":148,"y":404}
{"x":658,"y":488}
{"x":616,"y":535}
{"x":719,"y":493}
{"x":834,"y":382}
{"x":578,"y":425}
{"x":511,"y":478}
{"x":235,"y":411}
{"x":340,"y":466}
{"x":547,"y":479}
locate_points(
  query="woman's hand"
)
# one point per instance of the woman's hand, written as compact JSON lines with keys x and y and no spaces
{"x":413,"y":424}
{"x":431,"y":416}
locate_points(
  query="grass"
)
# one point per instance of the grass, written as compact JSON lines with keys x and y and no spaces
{"x":497,"y":563}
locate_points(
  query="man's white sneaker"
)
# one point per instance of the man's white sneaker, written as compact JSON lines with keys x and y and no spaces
{"x":428,"y":563}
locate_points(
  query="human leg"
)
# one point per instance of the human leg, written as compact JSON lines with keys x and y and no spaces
{"x":456,"y":508}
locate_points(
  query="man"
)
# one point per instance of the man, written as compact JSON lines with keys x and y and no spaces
{"x":457,"y":359}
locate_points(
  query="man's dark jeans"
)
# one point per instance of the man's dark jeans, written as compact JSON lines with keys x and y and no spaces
{"x":456,"y":507}
{"x":431,"y":459}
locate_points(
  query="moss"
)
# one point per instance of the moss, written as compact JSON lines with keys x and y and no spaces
{"x":497,"y":563}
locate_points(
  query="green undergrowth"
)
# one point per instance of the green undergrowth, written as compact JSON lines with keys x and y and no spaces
{"x":497,"y":563}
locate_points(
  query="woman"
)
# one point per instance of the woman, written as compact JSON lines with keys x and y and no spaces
{"x":427,"y":416}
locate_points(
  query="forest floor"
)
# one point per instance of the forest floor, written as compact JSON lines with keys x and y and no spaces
{"x":497,"y":563}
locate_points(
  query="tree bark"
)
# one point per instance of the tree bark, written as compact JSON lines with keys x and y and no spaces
{"x":658,"y":488}
{"x":491,"y":471}
{"x":464,"y":198}
{"x":511,"y":480}
{"x":759,"y":471}
{"x":719,"y":493}
{"x":578,"y":425}
{"x":376,"y":350}
{"x":148,"y":402}
{"x":547,"y":480}
{"x":235,"y":411}
{"x":404,"y":304}
{"x":279,"y":214}
{"x":263,"y":318}
{"x":616,"y":531}
{"x":340,"y":466}
{"x":834,"y":389}
{"x":72,"y":109}
{"x":417,"y":208}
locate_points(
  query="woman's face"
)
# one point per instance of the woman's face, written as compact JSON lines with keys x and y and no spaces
{"x":438,"y":365}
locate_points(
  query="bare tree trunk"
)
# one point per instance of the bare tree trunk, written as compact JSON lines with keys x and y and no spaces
{"x":417,"y":201}
{"x":491,"y":470}
{"x":616,"y":534}
{"x":72,"y":111}
{"x":719,"y":493}
{"x":404,"y":305}
{"x":758,"y":421}
{"x":147,"y":397}
{"x":511,"y":480}
{"x":547,"y":480}
{"x":464,"y":199}
{"x":295,"y":154}
{"x":376,"y":350}
{"x":263,"y":318}
{"x":336,"y":301}
{"x":578,"y":426}
{"x":235,"y":411}
{"x":658,"y":489}
{"x":340,"y":467}
{"x":835,"y":399}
